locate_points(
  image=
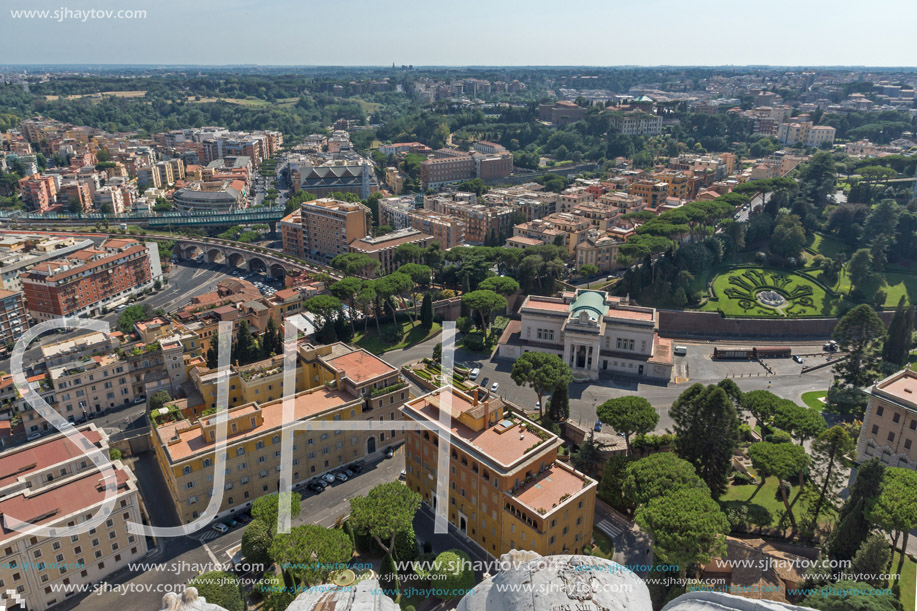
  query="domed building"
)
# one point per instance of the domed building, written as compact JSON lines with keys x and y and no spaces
{"x":530,"y":582}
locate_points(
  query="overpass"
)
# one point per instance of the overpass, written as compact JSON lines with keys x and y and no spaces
{"x":248,"y":216}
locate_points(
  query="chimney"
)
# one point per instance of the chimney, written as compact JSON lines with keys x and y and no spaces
{"x":486,"y":412}
{"x":475,"y":395}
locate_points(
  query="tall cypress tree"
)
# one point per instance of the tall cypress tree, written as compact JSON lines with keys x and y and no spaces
{"x":852,"y":524}
{"x":897,"y":343}
{"x":707,"y":431}
{"x":426,"y":312}
{"x":559,"y":408}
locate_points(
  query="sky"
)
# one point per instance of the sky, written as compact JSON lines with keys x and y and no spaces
{"x":463,"y":32}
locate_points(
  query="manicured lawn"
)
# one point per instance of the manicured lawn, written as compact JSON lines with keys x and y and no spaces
{"x":908,"y":581}
{"x":768,"y":498}
{"x":737,"y":289}
{"x":827,"y":246}
{"x":894,"y":283}
{"x":409,"y":336}
{"x":812,"y":399}
{"x":603,"y":542}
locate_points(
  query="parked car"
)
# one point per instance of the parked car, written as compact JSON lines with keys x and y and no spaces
{"x":797,"y":358}
{"x":475,"y":373}
{"x":830,"y":346}
{"x":231,"y":522}
{"x":484,"y":382}
{"x":139,"y":399}
{"x":243,"y":519}
{"x":357,"y":468}
{"x":315,"y":487}
{"x":681,"y":350}
{"x":220,"y":528}
{"x":33,"y":436}
{"x":598,"y":426}
{"x":348,"y":472}
{"x":328,"y":478}
{"x":389,"y":452}
{"x":341,"y":477}
{"x":403,"y":474}
{"x":494,"y":387}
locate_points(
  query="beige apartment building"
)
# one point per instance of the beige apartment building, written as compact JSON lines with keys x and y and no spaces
{"x":383,"y":248}
{"x":90,"y":385}
{"x":351,"y":385}
{"x":507,"y":490}
{"x":449,"y":231}
{"x":889,"y":428}
{"x":51,"y":483}
{"x":329,"y":225}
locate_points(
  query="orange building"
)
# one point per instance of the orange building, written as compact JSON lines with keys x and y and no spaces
{"x":506,"y":488}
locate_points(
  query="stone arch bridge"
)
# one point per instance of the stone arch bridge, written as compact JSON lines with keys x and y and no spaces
{"x":236,"y":255}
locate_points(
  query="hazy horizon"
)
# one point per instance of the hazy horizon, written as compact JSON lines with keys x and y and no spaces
{"x":512,"y":33}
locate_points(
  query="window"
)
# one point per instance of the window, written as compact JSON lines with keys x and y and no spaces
{"x":879,"y":410}
{"x":896,"y":418}
{"x":891,"y":436}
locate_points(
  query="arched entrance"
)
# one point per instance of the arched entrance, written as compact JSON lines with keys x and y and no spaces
{"x":370,"y":445}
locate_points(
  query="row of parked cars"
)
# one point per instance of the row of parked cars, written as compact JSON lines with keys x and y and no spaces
{"x":224,"y":527}
{"x":317,"y":485}
{"x":341,"y":475}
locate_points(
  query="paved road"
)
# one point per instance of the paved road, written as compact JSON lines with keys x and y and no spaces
{"x":182,"y":558}
{"x":788,"y":380}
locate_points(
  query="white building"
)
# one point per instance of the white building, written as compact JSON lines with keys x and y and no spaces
{"x":594,"y":333}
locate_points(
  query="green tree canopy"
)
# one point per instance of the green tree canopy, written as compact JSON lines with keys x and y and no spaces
{"x":158,"y":400}
{"x":782,"y":460}
{"x":631,"y":415}
{"x":706,"y":427}
{"x":542,"y":372}
{"x":256,"y":542}
{"x":387,"y":510}
{"x":895,"y":511}
{"x":266,"y":508}
{"x":857,"y":333}
{"x":848,"y":596}
{"x":484,"y":302}
{"x":309,"y":551}
{"x":502,"y":285}
{"x":132,"y":315}
{"x":687,"y":527}
{"x":452,"y":571}
{"x":659,"y":474}
{"x":220,"y":588}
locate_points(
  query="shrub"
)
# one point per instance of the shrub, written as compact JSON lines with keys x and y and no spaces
{"x":779,"y":436}
{"x":742,"y":479}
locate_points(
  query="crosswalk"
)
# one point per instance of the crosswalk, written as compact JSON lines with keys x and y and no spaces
{"x":208,"y":535}
{"x":612,"y":529}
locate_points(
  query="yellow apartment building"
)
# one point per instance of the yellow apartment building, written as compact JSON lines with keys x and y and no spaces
{"x":889,"y":428}
{"x":506,"y":490}
{"x":344,"y":384}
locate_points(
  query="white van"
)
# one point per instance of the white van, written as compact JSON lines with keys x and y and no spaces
{"x":475,"y":373}
{"x":681,"y":350}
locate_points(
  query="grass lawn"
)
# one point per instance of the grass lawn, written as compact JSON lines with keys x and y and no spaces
{"x":894,"y":283}
{"x":737,"y":289}
{"x":811,"y":399}
{"x":827,"y":246}
{"x":409,"y":336}
{"x":908,"y":581}
{"x":603,"y":542}
{"x":768,"y":498}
